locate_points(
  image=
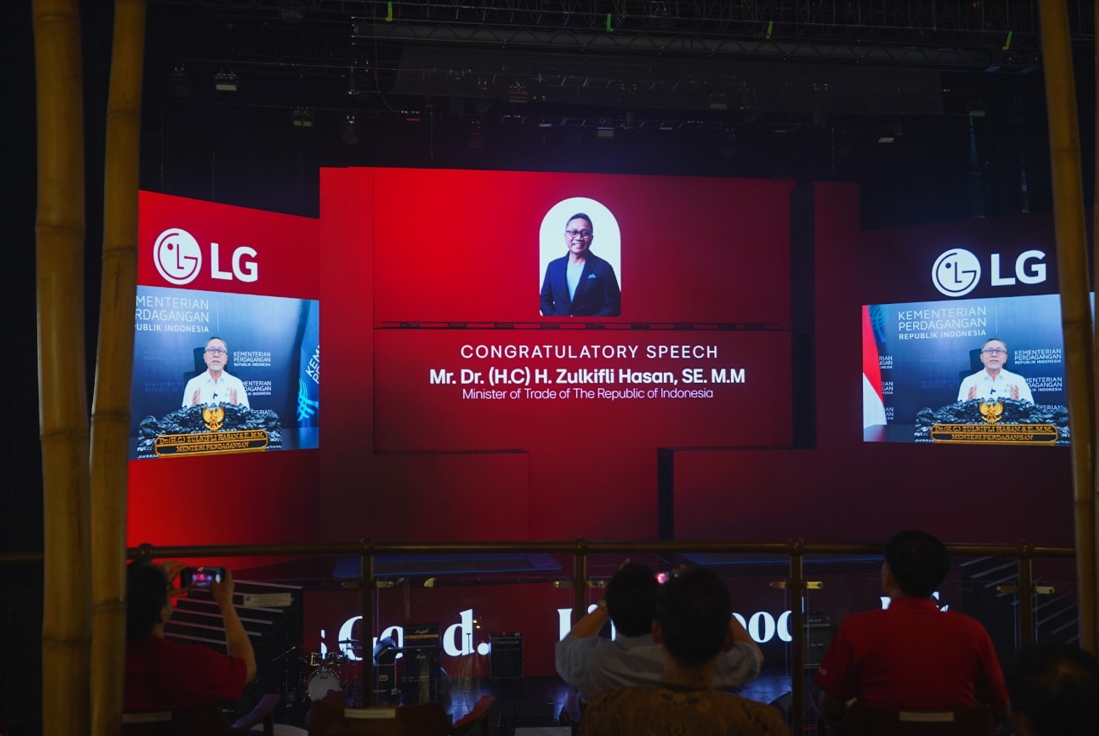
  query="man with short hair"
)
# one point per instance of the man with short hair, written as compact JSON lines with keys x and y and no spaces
{"x":215,"y":385}
{"x":589,"y":662}
{"x":1054,"y":691}
{"x":692,"y":613}
{"x":162,"y":675}
{"x":911,"y":655}
{"x":994,"y":381}
{"x":580,"y":284}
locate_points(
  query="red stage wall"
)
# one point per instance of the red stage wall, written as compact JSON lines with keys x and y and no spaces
{"x":412,"y":267}
{"x":249,"y":498}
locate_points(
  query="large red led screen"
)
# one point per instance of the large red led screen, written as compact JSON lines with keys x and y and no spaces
{"x":674,"y":330}
{"x":469,"y":246}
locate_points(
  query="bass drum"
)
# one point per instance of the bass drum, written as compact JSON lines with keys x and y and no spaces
{"x":322,"y":682}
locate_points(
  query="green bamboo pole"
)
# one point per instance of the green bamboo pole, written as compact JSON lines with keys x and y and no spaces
{"x":1068,"y":219}
{"x":63,"y":409}
{"x":114,"y":369}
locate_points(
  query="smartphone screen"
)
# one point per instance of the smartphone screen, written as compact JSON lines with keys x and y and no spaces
{"x":201,"y":577}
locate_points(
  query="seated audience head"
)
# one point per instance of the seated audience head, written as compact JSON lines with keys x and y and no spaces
{"x":692,"y":613}
{"x":917,"y":563}
{"x":147,"y":600}
{"x":1054,"y":691}
{"x":631,"y":599}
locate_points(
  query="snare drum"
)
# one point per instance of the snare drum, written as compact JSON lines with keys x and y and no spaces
{"x":322,"y":682}
{"x":335,"y":659}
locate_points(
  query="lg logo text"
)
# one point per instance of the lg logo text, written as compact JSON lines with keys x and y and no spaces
{"x":178,"y":259}
{"x":957,"y":271}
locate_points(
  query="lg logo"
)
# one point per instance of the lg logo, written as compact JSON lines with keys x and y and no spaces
{"x":178,"y":259}
{"x":957,"y":271}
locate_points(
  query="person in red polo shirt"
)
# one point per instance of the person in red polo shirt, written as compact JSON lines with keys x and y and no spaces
{"x":911,"y":655}
{"x":162,"y":675}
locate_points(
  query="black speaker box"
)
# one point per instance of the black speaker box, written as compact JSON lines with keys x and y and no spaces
{"x":505,"y":660}
{"x":420,"y":677}
{"x":816,"y":643}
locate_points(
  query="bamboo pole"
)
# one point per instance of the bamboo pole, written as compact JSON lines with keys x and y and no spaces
{"x":114,"y":369}
{"x":63,"y":409}
{"x":1068,"y":218}
{"x":1095,"y":361}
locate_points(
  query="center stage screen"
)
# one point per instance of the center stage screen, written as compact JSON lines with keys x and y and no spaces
{"x":511,"y":308}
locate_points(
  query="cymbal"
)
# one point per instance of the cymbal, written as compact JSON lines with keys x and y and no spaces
{"x":349,"y":641}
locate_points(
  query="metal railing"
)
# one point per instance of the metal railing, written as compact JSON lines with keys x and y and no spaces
{"x":581,"y":549}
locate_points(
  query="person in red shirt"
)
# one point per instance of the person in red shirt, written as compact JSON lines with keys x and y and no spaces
{"x":911,"y":655}
{"x":162,"y":675}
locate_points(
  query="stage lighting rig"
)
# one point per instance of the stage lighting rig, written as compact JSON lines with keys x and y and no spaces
{"x":179,"y":83}
{"x":302,"y":118}
{"x":517,"y":94}
{"x":226,"y":82}
{"x":349,"y":131}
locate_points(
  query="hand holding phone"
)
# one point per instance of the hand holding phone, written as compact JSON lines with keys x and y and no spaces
{"x":201,"y":577}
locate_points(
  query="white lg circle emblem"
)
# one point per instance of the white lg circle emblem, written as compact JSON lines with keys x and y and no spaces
{"x":956,"y":272}
{"x":177,"y":256}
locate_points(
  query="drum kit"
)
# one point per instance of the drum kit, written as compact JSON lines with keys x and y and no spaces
{"x":332,"y":671}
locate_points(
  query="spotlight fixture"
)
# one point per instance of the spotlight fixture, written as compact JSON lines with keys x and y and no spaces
{"x":226,"y":82}
{"x":604,"y":132}
{"x":476,"y":140}
{"x":517,"y":94}
{"x":302,"y":118}
{"x":349,"y":131}
{"x":179,"y":83}
{"x":291,"y":11}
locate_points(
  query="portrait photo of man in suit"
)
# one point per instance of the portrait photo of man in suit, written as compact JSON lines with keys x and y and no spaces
{"x":580,"y":283}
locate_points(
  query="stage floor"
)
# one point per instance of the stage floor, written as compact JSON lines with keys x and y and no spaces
{"x":533,"y":702}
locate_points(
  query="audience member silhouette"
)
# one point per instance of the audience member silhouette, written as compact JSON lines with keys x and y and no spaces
{"x":1055,"y":691}
{"x":692,"y":628}
{"x":589,"y":662}
{"x":162,"y":675}
{"x":911,"y":655}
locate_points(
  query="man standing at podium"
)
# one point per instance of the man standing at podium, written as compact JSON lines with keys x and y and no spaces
{"x":994,"y":382}
{"x":215,"y":385}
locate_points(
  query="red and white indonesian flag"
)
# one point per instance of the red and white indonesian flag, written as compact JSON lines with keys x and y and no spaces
{"x":873,"y":405}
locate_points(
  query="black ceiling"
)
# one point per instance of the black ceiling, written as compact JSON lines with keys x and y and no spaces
{"x":728,"y":88}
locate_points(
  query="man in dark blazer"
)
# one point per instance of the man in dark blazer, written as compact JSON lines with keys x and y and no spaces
{"x":580,"y":284}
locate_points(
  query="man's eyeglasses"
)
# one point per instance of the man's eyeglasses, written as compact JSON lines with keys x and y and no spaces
{"x":585,"y":234}
{"x":217,"y":351}
{"x":994,"y":351}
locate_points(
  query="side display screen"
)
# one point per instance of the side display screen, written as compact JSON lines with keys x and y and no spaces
{"x":975,"y":371}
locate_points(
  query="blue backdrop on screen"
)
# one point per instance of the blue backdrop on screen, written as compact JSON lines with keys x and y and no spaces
{"x":925,"y":349}
{"x":273,"y":343}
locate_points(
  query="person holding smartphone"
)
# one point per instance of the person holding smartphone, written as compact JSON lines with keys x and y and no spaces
{"x":589,"y":662}
{"x":162,"y":675}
